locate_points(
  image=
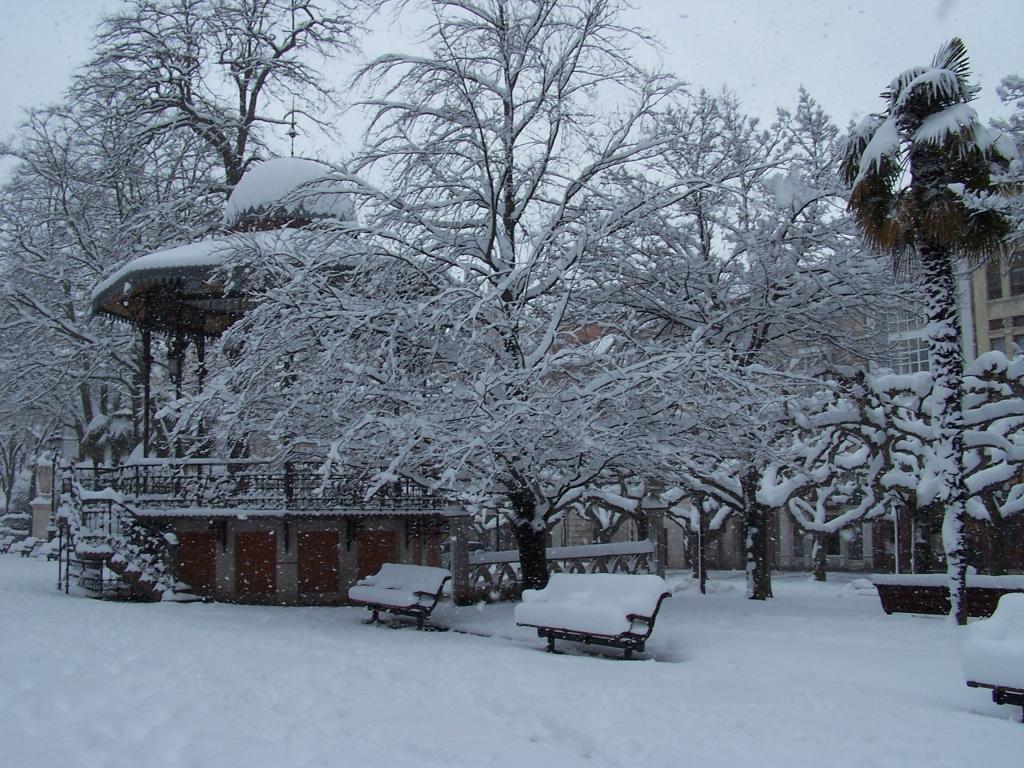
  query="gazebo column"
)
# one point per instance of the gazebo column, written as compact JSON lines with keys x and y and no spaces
{"x":200,"y":342}
{"x":655,"y":509}
{"x":176,"y":347}
{"x":459,"y":525}
{"x":147,"y":406}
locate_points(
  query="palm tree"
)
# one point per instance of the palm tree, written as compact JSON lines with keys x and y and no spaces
{"x":914,"y":170}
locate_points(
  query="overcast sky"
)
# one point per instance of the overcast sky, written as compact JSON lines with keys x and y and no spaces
{"x":843,"y":52}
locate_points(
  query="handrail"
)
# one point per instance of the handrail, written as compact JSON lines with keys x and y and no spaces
{"x":228,"y":483}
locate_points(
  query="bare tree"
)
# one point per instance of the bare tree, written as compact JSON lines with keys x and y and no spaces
{"x":222,"y":70}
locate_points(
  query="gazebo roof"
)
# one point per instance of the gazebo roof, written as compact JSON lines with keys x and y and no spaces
{"x":286,"y":191}
{"x":181,"y":289}
{"x":178,"y":289}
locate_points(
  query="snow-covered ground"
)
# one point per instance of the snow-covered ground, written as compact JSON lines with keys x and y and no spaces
{"x":818,"y":676}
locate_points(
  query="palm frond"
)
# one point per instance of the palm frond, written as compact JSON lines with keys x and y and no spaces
{"x":898,"y":86}
{"x":880,"y":212}
{"x":985,"y":234}
{"x":854,"y":145}
{"x":953,"y":56}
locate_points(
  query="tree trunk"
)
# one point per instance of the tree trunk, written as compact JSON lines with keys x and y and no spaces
{"x":697,"y":540}
{"x":923,"y":559}
{"x":643,"y":524}
{"x":946,"y":361}
{"x":532,"y":540}
{"x":819,"y":556}
{"x":903,"y":525}
{"x":692,"y":542}
{"x":756,"y":541}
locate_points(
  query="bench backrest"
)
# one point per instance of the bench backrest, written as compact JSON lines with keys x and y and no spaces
{"x":637,"y":594}
{"x":415,"y":578}
{"x":1007,"y":623}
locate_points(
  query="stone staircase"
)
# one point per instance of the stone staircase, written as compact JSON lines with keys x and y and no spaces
{"x":109,"y":553}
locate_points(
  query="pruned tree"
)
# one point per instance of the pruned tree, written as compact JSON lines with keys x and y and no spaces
{"x":764,"y":270}
{"x":994,"y":443}
{"x":858,"y":453}
{"x":912,"y":169}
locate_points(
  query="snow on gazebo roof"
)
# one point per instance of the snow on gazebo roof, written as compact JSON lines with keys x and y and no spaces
{"x":204,"y":255}
{"x":285,"y":190}
{"x":178,"y":288}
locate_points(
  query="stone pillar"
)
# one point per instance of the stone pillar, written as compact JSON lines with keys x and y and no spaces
{"x":786,"y":535}
{"x":655,"y":508}
{"x":42,"y":503}
{"x":458,"y":537}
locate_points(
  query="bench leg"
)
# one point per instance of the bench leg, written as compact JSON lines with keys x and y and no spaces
{"x":628,"y":653}
{"x":551,"y":643}
{"x":419,"y":621}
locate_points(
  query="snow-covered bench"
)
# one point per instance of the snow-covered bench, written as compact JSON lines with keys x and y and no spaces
{"x":613,"y":609}
{"x":929,"y":592}
{"x":405,"y":590}
{"x":993,"y":655}
{"x":27,"y":547}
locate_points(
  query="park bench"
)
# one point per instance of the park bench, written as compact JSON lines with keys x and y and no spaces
{"x":404,"y":590}
{"x":612,"y":609}
{"x":5,"y":543}
{"x":928,"y":593}
{"x":993,"y":655}
{"x":27,"y":547}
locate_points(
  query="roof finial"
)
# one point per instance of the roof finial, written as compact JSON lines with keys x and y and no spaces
{"x":293,"y":131}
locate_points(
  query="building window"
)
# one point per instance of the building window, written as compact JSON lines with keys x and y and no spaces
{"x":1017,"y":277}
{"x":832,"y":545}
{"x":999,"y":344}
{"x":798,"y":544}
{"x":995,"y":325}
{"x":994,"y":280}
{"x":903,"y":322}
{"x":910,"y":356}
{"x":854,"y":543}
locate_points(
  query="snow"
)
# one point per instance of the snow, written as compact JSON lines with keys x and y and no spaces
{"x":819,"y":675}
{"x":591,"y":602}
{"x":884,"y":144}
{"x":952,"y":121}
{"x":172,"y":510}
{"x":104,"y":494}
{"x":400,"y":585}
{"x":204,"y":253}
{"x":295,"y":185}
{"x":994,"y":651}
{"x":942,"y":580}
{"x":557,"y":553}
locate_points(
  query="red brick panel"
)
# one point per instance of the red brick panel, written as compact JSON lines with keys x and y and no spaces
{"x":318,"y":562}
{"x":195,"y":563}
{"x":255,"y":564}
{"x":374,"y":549}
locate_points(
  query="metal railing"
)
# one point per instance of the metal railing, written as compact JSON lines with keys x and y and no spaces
{"x":497,"y":575}
{"x":209,"y":483}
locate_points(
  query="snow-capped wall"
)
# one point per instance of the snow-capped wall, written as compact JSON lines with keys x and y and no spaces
{"x":286,"y":189}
